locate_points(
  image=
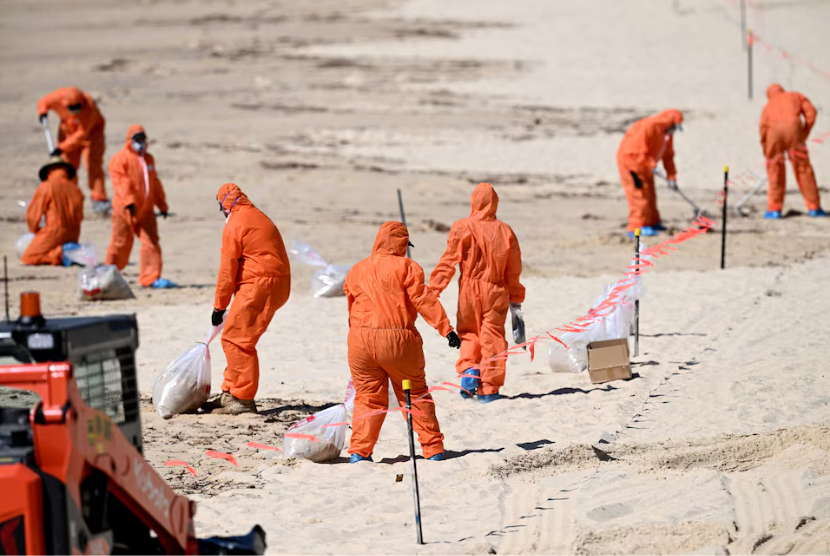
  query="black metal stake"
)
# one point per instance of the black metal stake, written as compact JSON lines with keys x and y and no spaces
{"x":725,"y":212}
{"x":403,"y":220}
{"x":749,"y":43}
{"x":407,"y":387}
{"x":637,"y":301}
{"x":6,"y":284}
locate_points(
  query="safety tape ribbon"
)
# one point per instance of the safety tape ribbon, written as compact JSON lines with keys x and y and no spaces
{"x":173,"y":462}
{"x":221,"y":455}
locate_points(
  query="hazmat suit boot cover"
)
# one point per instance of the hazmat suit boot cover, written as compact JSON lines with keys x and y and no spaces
{"x":643,"y":146}
{"x":255,"y":272}
{"x":385,"y":293}
{"x":489,"y":259}
{"x":60,"y":202}
{"x":783,"y":133}
{"x":135,"y":184}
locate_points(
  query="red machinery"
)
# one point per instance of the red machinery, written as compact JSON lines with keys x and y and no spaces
{"x":72,"y":481}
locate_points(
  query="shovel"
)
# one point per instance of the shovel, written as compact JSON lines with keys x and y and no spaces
{"x":50,"y":143}
{"x":698,"y":211}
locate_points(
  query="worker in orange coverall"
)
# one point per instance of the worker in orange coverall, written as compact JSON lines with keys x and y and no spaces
{"x":255,"y":271}
{"x":81,"y":134}
{"x":385,"y":293}
{"x":59,"y":200}
{"x":646,"y":143}
{"x":490,"y":261}
{"x":783,"y":131}
{"x":138,"y":191}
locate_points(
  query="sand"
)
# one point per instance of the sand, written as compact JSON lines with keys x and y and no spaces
{"x":320,"y":111}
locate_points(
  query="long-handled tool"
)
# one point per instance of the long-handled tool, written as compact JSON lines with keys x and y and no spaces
{"x":698,"y":211}
{"x":407,"y":387}
{"x":739,"y":206}
{"x":50,"y":143}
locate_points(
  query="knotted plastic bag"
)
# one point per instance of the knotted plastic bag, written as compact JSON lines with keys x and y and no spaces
{"x":311,"y":439}
{"x":184,"y":386}
{"x":103,"y":283}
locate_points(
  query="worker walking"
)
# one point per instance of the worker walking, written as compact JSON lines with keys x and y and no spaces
{"x":255,"y":272}
{"x":137,"y":192}
{"x":80,"y":136}
{"x":59,"y":202}
{"x":783,"y":132}
{"x":490,"y":261}
{"x":385,"y":292}
{"x":644,"y":145}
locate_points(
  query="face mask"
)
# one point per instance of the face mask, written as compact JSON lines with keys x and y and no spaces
{"x":139,"y":146}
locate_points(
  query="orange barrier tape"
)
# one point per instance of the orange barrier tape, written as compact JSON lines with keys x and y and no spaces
{"x":221,"y":455}
{"x":301,"y":436}
{"x":180,"y":462}
{"x":259,"y":446}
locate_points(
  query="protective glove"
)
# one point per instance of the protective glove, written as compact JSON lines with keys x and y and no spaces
{"x":42,"y":118}
{"x":638,"y":183}
{"x":164,"y":215}
{"x":673,"y":185}
{"x":131,"y":210}
{"x":455,"y":341}
{"x":217,"y":317}
{"x":56,"y":152}
{"x":517,"y":318}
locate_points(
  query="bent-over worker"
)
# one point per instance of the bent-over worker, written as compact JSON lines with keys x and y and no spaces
{"x":255,"y":272}
{"x":80,"y":136}
{"x":385,"y":294}
{"x":490,"y":263}
{"x":647,"y":142}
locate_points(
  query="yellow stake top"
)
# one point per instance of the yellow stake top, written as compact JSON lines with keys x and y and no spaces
{"x":407,"y":385}
{"x":725,"y":168}
{"x":636,"y":232}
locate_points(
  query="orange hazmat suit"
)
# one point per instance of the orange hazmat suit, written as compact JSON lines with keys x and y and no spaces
{"x":644,"y":145}
{"x":62,"y":203}
{"x":80,"y":135}
{"x":136,"y":183}
{"x":490,"y":261}
{"x":782,"y":131}
{"x":385,"y":292}
{"x":255,"y":271}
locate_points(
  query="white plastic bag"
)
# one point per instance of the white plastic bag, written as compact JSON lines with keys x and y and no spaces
{"x":619,"y":323}
{"x":314,"y":441}
{"x":328,"y":282}
{"x":103,"y":283}
{"x":305,"y":253}
{"x":23,"y":243}
{"x":184,"y":386}
{"x":86,"y":255}
{"x":574,"y":359}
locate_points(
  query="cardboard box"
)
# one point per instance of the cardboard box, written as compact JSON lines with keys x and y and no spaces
{"x":608,"y":360}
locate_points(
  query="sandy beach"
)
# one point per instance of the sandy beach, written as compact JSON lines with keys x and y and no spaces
{"x":320,"y":111}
